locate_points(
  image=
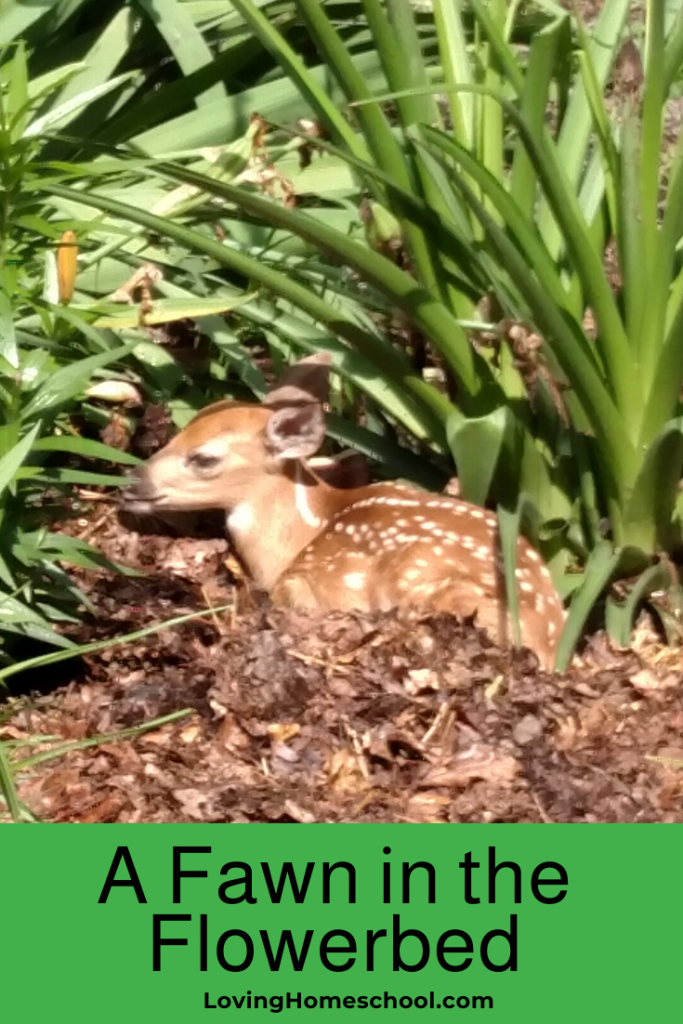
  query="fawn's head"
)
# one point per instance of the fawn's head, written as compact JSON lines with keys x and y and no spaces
{"x":231,"y":447}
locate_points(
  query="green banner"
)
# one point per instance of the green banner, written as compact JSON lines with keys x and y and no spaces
{"x":499,"y":923}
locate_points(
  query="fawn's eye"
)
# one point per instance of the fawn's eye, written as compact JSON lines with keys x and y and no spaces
{"x":203,"y":461}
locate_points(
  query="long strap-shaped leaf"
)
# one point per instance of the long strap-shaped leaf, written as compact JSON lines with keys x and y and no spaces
{"x":575,"y":133}
{"x":587,"y":263}
{"x":599,"y":570}
{"x":399,"y":48}
{"x":377,"y":132}
{"x":12,"y":462}
{"x":456,"y":66}
{"x":663,"y":345}
{"x":519,"y":226}
{"x":648,"y":514}
{"x":564,"y":336}
{"x":650,"y":163}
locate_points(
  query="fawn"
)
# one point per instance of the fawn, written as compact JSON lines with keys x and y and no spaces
{"x":318,"y":547}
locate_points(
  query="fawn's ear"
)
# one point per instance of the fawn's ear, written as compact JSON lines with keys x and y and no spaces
{"x":296,"y":431}
{"x":305,"y":381}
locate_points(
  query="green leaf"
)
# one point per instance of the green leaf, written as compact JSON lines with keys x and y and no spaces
{"x":17,"y":94}
{"x":12,"y":462}
{"x":65,"y":112}
{"x":599,"y":570}
{"x":648,"y":514}
{"x":85,"y":447}
{"x":457,"y":67}
{"x":7,"y":785}
{"x":509,"y":529}
{"x":57,"y":475}
{"x":70,"y":381}
{"x":477,"y":444}
{"x":631,"y":240}
{"x":8,"y":340}
{"x":17,"y":616}
{"x":534,"y":105}
{"x":184,"y":40}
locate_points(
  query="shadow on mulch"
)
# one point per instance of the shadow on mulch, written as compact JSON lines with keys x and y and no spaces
{"x":353,"y":718}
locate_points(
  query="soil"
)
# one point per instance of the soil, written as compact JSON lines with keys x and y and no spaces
{"x":352,"y":718}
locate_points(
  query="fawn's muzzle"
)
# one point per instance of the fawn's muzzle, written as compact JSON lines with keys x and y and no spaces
{"x":142,"y":496}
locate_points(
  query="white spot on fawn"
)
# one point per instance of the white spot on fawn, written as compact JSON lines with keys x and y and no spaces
{"x":354,"y":580}
{"x":241,"y":519}
{"x":301,"y":499}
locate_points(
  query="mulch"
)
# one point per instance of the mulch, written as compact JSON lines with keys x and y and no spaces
{"x":348,"y":719}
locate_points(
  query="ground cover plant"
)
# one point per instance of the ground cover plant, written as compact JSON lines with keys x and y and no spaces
{"x":473,"y":206}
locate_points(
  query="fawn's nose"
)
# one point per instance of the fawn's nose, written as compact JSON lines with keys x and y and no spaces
{"x":141,"y":494}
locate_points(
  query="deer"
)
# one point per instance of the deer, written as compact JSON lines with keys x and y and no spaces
{"x":316,"y":547}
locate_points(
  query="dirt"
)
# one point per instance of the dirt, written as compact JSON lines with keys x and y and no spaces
{"x":349,"y":719}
